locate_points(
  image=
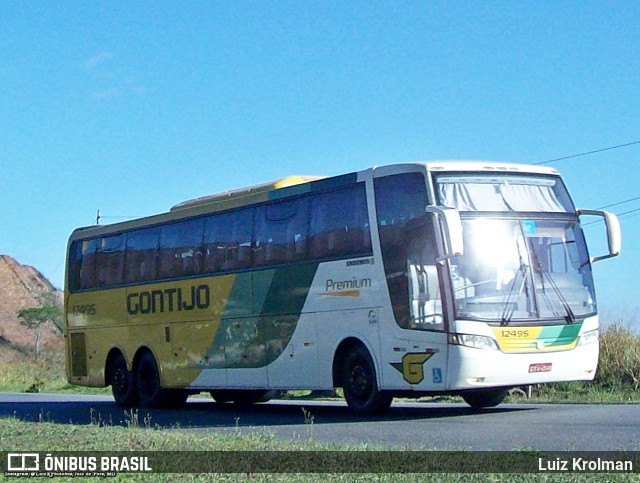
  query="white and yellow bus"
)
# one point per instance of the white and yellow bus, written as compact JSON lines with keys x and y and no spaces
{"x":403,"y":280}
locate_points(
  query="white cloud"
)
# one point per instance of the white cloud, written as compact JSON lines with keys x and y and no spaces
{"x":98,"y":59}
{"x":107,"y":93}
{"x":142,"y":90}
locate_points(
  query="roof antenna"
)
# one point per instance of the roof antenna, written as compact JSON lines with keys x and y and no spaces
{"x":98,"y":217}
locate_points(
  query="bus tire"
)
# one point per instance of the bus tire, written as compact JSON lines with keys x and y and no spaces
{"x":222,"y":396}
{"x":148,"y":382}
{"x":360,"y":384}
{"x":123,"y":384}
{"x":254,"y":396}
{"x":242,"y":396}
{"x":174,"y":398}
{"x":484,"y":398}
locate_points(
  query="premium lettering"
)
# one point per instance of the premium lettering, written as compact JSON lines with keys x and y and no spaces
{"x":354,"y":283}
{"x":169,"y":300}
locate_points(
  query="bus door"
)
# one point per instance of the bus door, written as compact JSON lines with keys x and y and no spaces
{"x":425,"y":303}
{"x":414,"y":348}
{"x":425,"y":360}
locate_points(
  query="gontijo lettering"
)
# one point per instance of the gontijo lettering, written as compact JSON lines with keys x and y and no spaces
{"x":169,"y":300}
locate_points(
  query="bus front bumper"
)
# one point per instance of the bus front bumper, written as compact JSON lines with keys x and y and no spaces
{"x":472,"y":368}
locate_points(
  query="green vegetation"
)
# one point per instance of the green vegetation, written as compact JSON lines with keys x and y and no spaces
{"x":619,"y":364}
{"x":46,"y":437}
{"x":34,"y":318}
{"x":22,"y":373}
{"x":617,"y":381}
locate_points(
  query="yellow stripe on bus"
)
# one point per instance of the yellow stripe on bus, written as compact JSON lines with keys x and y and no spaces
{"x":343,"y":293}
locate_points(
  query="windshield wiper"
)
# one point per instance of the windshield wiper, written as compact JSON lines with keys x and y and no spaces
{"x":509,"y":309}
{"x":570,"y":317}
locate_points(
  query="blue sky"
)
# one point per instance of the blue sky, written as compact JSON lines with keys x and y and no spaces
{"x":131,"y":107}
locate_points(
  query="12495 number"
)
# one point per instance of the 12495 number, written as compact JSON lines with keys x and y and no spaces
{"x":514,"y":334}
{"x":86,"y":309}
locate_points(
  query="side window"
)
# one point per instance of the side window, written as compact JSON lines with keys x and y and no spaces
{"x":181,"y":249}
{"x":110,"y":260}
{"x":281,"y":232}
{"x":339,"y":224}
{"x":407,"y":240}
{"x":227,"y":241}
{"x":74,"y":266}
{"x":88,"y":276}
{"x":96,"y":263}
{"x":400,"y":198}
{"x":142,"y":255}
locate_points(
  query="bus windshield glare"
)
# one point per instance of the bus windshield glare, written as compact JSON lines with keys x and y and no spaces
{"x":525,"y":255}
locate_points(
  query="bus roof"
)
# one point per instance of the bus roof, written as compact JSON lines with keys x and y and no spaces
{"x":244,"y":192}
{"x":251,"y":191}
{"x":271,"y":190}
{"x":491,"y":166}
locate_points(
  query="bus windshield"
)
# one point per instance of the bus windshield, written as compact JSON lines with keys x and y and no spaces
{"x":525,"y":254}
{"x":522,"y":270}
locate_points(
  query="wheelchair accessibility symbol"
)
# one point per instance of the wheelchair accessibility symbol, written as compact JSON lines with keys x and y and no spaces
{"x":437,"y":375}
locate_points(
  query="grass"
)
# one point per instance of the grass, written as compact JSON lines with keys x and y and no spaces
{"x":46,"y":374}
{"x":619,"y":364}
{"x":618,"y":375}
{"x":45,"y":437}
{"x":617,"y":382}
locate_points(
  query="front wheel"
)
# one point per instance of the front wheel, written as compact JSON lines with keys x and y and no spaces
{"x":484,"y":398}
{"x":361,"y":386}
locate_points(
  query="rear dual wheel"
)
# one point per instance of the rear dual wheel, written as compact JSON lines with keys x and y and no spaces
{"x":123,"y":384}
{"x":142,"y":385}
{"x":152,"y":395}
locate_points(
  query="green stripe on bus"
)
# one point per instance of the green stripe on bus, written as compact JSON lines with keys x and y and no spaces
{"x":247,"y":334}
{"x":289,"y":289}
{"x":560,"y":334}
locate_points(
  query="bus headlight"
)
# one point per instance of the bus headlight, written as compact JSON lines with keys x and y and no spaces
{"x":476,"y":341}
{"x":589,"y":337}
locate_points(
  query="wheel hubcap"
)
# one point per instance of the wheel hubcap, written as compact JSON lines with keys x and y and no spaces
{"x":359,"y":382}
{"x":119,"y":381}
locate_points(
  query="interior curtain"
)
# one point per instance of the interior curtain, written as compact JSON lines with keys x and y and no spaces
{"x":499,"y":197}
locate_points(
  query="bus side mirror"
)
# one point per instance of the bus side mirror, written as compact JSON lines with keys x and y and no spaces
{"x":614,"y":234}
{"x":451,"y":230}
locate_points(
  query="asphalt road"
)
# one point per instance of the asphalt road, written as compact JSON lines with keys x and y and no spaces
{"x":442,"y":426}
